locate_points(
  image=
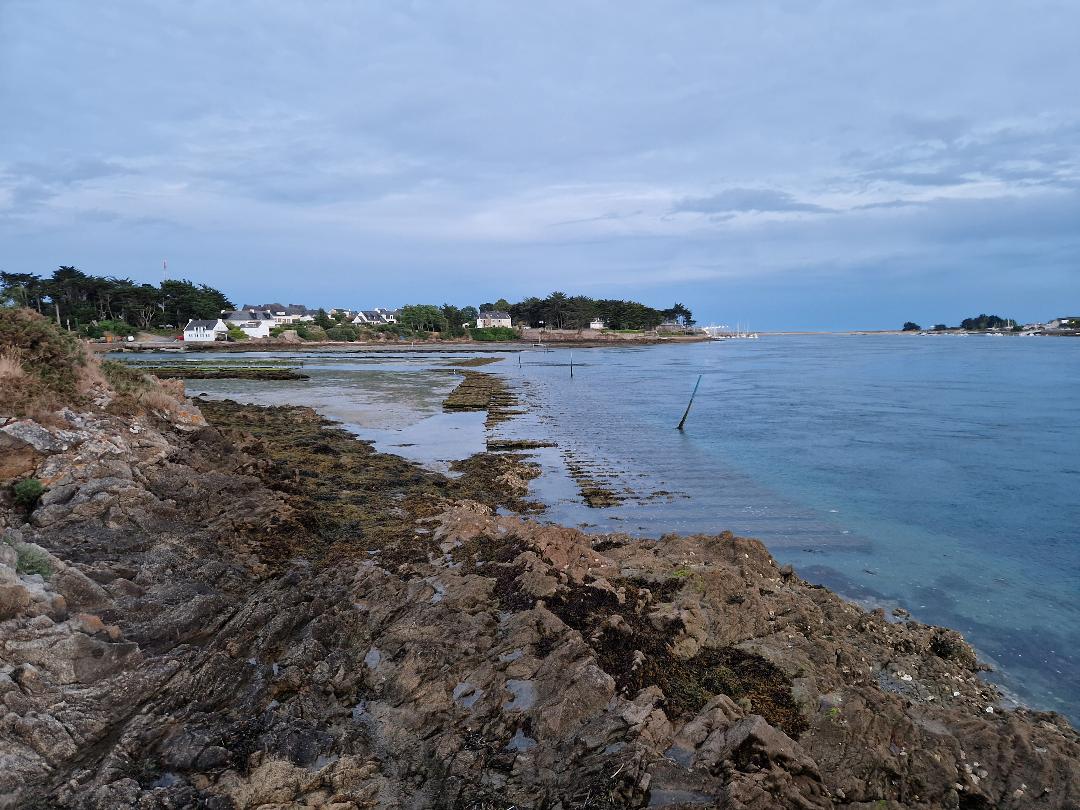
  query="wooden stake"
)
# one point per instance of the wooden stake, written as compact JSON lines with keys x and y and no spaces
{"x":688,"y":404}
{"x":571,"y":365}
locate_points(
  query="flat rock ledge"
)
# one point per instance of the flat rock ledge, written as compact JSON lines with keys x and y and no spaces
{"x":178,"y":631}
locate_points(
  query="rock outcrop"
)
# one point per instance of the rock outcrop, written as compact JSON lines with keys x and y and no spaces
{"x":264,"y":613}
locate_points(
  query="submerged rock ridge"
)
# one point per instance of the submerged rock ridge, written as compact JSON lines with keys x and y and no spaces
{"x":259,"y":611}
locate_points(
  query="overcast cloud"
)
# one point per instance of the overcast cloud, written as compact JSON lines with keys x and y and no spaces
{"x":792,"y":164}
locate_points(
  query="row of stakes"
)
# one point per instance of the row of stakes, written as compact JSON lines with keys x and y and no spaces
{"x":686,"y":413}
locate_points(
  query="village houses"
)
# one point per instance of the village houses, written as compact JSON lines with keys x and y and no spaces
{"x":284,"y":315}
{"x":252,"y":322}
{"x":375,"y":317}
{"x":1065,"y":322}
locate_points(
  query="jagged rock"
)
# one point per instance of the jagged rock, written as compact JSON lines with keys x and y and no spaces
{"x":18,"y":458}
{"x":79,"y":591}
{"x":203,"y":641}
{"x":14,"y":598}
{"x":29,"y":432}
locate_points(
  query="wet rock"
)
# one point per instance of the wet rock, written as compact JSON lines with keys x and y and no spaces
{"x":950,"y":645}
{"x":280,"y":617}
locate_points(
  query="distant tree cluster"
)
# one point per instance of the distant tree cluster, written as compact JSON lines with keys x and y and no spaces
{"x":92,"y":304}
{"x":982,"y":322}
{"x":447,"y":320}
{"x":987,"y":322}
{"x":562,"y":311}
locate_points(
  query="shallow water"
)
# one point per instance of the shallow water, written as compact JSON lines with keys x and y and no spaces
{"x":395,"y":401}
{"x":939,"y":474}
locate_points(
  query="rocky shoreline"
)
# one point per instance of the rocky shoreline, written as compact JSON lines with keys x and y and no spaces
{"x":223,"y":606}
{"x":223,"y":373}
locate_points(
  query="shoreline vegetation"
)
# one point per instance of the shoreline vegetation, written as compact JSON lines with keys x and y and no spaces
{"x":530,"y":340}
{"x":114,"y":309}
{"x":207,"y":604}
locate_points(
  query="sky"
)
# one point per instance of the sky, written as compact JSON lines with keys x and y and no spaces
{"x":790,"y":164}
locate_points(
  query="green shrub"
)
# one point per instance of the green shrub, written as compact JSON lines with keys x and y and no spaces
{"x":236,"y":333}
{"x":27,"y":492}
{"x":308,"y":331}
{"x":123,"y":378}
{"x":492,"y":333}
{"x":101,"y":328}
{"x":399,"y":329}
{"x":33,"y":561}
{"x":343,"y":332}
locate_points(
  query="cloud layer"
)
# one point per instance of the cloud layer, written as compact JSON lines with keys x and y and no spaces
{"x":821,"y":164}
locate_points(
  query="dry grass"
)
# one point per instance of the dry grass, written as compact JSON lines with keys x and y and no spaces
{"x":41,"y":364}
{"x":11,"y":370}
{"x":90,"y":378}
{"x":20,"y":394}
{"x":158,"y":399}
{"x":43,"y":368}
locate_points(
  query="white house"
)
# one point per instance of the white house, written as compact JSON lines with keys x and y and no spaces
{"x":375,"y":317}
{"x":205,"y":331}
{"x":494,"y":318}
{"x":1065,"y":322}
{"x":597,"y":323}
{"x":284,"y":314}
{"x":368,"y":316}
{"x":253,"y":322}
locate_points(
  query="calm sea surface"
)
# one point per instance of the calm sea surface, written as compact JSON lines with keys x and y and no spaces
{"x":938,"y":474}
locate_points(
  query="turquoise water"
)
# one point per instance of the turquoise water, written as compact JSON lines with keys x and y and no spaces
{"x":939,"y":474}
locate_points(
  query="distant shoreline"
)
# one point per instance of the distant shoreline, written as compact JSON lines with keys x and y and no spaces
{"x":387,"y":346}
{"x":257,"y":345}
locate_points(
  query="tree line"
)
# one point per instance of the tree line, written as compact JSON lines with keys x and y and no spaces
{"x":89,"y":304}
{"x":979,"y":323}
{"x":84,"y":302}
{"x":556,"y":311}
{"x":561,"y":311}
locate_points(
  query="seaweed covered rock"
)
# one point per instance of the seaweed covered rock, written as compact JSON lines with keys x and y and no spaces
{"x":265,"y":612}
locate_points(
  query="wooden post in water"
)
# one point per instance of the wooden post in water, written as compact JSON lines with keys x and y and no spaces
{"x":571,"y":365}
{"x":688,"y":404}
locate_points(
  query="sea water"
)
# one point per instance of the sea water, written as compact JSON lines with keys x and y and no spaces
{"x":937,"y":474}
